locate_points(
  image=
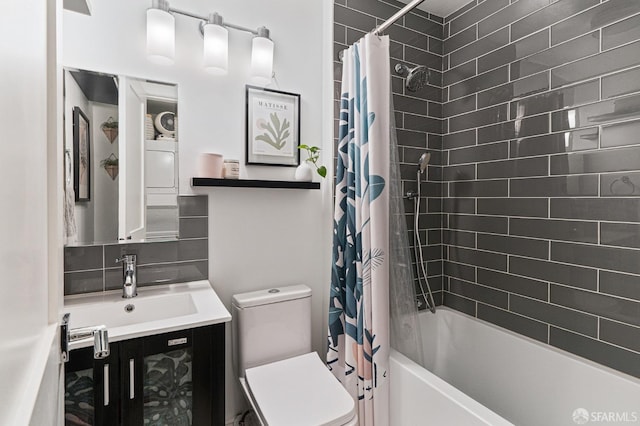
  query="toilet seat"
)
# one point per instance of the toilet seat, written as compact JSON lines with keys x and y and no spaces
{"x":299,"y":391}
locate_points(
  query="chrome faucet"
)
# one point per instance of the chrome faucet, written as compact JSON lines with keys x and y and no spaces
{"x":129,"y":275}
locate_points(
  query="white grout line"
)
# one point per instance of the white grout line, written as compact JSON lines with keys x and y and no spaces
{"x":83,"y":270}
{"x":600,"y":41}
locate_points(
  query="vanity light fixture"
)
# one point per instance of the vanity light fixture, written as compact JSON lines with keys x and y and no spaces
{"x":216,"y":45}
{"x":215,"y":32}
{"x":161,"y":33}
{"x":262,"y":57}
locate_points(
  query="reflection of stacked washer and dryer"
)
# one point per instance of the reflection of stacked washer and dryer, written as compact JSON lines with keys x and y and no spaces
{"x":162,"y":126}
{"x":161,"y":168}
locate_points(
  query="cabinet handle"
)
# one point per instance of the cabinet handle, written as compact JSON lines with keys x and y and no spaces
{"x":132,"y":391}
{"x":106,"y":384}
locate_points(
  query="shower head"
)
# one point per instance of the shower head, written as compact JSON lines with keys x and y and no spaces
{"x":417,"y":77}
{"x":424,"y":161}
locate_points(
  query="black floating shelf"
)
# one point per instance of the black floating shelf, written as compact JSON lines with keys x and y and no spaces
{"x":252,"y":183}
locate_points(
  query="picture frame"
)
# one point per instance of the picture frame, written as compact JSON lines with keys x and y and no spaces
{"x":272,"y":127}
{"x":81,"y":155}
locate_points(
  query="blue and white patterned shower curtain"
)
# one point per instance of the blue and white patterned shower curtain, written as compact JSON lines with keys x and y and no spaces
{"x":358,"y":352}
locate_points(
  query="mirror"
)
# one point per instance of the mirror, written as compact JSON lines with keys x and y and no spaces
{"x":121,"y":158}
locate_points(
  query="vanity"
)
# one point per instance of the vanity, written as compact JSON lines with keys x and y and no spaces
{"x":146,"y":331}
{"x":165,"y":363}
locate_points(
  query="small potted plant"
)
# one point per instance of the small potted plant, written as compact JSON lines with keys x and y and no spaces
{"x":304,"y":172}
{"x":110,"y":129}
{"x":111,"y":166}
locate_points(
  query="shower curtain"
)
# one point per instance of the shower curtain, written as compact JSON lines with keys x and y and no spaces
{"x":358,"y":352}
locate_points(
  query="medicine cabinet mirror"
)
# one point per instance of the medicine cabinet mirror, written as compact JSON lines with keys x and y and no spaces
{"x":121,"y":158}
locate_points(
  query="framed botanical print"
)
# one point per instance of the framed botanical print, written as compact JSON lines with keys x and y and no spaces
{"x":81,"y":156}
{"x":272,"y":127}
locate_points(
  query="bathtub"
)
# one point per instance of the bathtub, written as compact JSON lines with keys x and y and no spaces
{"x":480,"y":374}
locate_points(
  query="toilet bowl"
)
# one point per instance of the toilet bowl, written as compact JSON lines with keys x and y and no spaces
{"x":284,"y":381}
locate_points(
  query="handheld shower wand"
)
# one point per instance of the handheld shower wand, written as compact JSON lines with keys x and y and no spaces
{"x":423,"y":162}
{"x":422,"y":166}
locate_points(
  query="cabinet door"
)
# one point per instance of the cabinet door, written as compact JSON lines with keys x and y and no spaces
{"x":158,"y":380}
{"x":131,"y":209}
{"x":174,"y":379}
{"x":91,"y":389}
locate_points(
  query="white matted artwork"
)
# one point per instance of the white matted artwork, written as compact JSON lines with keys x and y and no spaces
{"x":273,"y":127}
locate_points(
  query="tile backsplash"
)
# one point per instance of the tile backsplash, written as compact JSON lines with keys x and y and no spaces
{"x":92,"y":268}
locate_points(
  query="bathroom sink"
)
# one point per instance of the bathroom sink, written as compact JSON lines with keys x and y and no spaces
{"x":157,"y":309}
{"x":120,"y":312}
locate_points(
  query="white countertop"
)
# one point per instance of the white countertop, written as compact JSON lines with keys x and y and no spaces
{"x":157,"y":309}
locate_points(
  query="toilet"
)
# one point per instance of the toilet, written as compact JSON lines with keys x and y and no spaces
{"x":286,"y":383}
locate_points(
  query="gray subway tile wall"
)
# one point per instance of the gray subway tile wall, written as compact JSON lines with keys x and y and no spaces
{"x":93,"y":268}
{"x":562,"y":240}
{"x":623,"y":285}
{"x":417,"y":39}
{"x":547,"y":15}
{"x":596,"y":65}
{"x":535,"y":171}
{"x":621,"y":83}
{"x":520,"y":324}
{"x":595,"y":350}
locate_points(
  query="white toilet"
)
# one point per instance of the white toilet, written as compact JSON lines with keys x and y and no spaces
{"x":286,"y":383}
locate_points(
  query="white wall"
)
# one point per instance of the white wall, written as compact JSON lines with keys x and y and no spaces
{"x":104,"y":189}
{"x":84,"y":209}
{"x":258,"y":237}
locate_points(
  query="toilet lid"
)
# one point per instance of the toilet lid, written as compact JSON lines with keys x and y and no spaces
{"x":300,"y":391}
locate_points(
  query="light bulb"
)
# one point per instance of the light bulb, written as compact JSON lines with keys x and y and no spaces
{"x":216,"y":49}
{"x":261,"y":60}
{"x":161,"y":36}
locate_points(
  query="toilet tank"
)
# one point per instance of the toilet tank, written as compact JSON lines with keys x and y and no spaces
{"x":270,"y":325}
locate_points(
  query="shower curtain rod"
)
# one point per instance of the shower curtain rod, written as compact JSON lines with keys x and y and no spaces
{"x":399,"y":14}
{"x":386,"y":24}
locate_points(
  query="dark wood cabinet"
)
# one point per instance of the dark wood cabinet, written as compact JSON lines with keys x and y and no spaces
{"x":174,"y":378}
{"x":91,"y":388}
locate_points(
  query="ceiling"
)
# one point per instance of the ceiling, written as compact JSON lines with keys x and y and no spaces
{"x":97,"y":87}
{"x":80,"y":6}
{"x":441,"y":8}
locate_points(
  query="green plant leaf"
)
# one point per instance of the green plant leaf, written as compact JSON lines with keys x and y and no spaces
{"x":322,"y":171}
{"x":301,"y":146}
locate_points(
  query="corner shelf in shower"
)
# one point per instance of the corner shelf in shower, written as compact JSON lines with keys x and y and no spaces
{"x":253,"y":183}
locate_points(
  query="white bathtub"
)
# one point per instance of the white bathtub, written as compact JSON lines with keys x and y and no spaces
{"x":480,"y":374}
